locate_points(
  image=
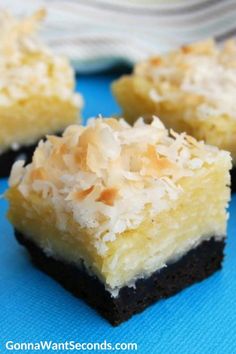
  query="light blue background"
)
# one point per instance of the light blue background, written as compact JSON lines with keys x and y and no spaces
{"x":33,"y":307}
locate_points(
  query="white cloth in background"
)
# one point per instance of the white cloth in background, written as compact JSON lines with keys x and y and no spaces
{"x":96,"y":34}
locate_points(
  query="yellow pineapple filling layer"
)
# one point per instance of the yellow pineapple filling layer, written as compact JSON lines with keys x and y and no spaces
{"x":149,"y":199}
{"x":192,"y":90}
{"x":36,"y":87}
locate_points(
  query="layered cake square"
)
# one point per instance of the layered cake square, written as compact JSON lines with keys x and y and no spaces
{"x":192,"y":89}
{"x":36,"y":90}
{"x":121,"y":215}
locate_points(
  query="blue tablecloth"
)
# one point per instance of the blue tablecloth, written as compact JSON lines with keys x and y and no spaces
{"x":33,"y":307}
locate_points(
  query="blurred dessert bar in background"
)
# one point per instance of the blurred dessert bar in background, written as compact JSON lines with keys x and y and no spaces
{"x":192,"y":89}
{"x":36,"y":90}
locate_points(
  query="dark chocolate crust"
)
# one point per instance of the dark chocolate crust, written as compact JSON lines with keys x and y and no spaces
{"x":233,"y":179}
{"x":193,"y":267}
{"x":8,"y":157}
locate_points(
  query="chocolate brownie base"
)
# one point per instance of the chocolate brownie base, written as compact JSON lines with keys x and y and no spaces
{"x":195,"y":266}
{"x":233,"y":179}
{"x":8,"y":157}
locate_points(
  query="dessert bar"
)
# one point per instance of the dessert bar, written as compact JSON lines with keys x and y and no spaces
{"x":122,"y":216}
{"x":36,"y":90}
{"x":192,"y":89}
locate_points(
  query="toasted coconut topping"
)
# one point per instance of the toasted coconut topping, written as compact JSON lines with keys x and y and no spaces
{"x":111,"y":176}
{"x":200,"y":73}
{"x":82,"y":194}
{"x":38,"y":174}
{"x":108,"y":196}
{"x":27,"y":66}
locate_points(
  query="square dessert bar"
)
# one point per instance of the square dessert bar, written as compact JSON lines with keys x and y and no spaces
{"x":192,"y":89}
{"x":122,"y":216}
{"x":36,"y":90}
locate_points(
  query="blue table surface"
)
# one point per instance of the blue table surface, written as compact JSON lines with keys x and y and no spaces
{"x":33,"y":307}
